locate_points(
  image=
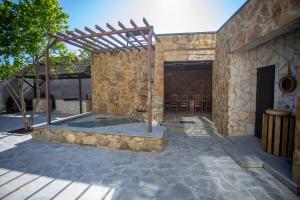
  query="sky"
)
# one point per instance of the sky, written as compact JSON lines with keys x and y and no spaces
{"x":167,"y":16}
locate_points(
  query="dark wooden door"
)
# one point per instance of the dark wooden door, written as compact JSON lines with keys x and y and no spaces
{"x":264,"y":94}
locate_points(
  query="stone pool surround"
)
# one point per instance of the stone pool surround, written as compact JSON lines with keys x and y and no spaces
{"x":123,"y":137}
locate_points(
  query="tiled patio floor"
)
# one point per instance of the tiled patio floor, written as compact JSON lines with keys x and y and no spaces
{"x":193,"y":166}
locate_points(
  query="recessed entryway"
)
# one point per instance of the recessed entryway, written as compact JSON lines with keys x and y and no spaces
{"x":188,"y":87}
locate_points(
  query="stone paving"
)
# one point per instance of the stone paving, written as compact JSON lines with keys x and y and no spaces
{"x":193,"y":166}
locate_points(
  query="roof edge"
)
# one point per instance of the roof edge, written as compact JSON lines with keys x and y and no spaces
{"x":187,"y":33}
{"x":234,"y":14}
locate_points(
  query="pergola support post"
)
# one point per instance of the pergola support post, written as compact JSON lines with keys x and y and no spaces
{"x":48,"y":109}
{"x":80,"y":94}
{"x":149,"y":102}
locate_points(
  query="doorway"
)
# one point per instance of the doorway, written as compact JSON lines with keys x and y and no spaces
{"x":188,"y":87}
{"x":264,"y":94}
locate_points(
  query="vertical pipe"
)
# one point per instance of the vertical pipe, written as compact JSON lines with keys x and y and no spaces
{"x":80,"y":95}
{"x":47,"y":85}
{"x":149,"y":103}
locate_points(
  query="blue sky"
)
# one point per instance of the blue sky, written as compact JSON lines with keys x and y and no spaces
{"x":167,"y":16}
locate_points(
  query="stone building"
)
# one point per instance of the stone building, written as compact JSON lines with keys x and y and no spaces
{"x":259,"y":34}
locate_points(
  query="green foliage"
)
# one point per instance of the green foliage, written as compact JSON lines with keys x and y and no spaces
{"x":24,"y":29}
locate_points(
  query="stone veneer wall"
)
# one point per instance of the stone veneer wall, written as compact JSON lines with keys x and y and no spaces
{"x":178,"y":47}
{"x":119,"y":80}
{"x":258,"y":19}
{"x":119,"y":83}
{"x":296,"y":155}
{"x":245,"y":43}
{"x":242,"y":91}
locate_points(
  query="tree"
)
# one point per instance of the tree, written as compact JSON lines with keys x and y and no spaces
{"x":25,"y":26}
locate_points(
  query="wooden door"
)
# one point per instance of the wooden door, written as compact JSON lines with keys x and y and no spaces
{"x":264,"y":94}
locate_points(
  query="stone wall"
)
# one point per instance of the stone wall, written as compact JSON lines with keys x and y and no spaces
{"x":109,"y":140}
{"x":296,"y":155}
{"x":119,"y":83}
{"x":242,"y":85}
{"x":178,"y":47}
{"x":259,"y":20}
{"x":246,"y":42}
{"x":119,"y":80}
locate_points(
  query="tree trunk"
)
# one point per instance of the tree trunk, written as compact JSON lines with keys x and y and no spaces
{"x":23,"y":106}
{"x":37,"y":93}
{"x":10,"y":89}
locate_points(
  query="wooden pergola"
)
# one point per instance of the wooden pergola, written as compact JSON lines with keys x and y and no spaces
{"x":101,"y":41}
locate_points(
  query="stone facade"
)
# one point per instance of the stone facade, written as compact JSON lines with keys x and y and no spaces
{"x":119,"y":83}
{"x":112,"y":141}
{"x":259,"y":20}
{"x":245,"y":43}
{"x":262,"y":33}
{"x":119,"y":80}
{"x":296,"y":155}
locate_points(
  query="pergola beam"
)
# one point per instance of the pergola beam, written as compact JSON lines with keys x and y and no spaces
{"x":141,"y":32}
{"x":80,"y":42}
{"x":132,"y":35}
{"x":112,"y":37}
{"x":148,"y":25}
{"x":94,"y":39}
{"x":104,"y":33}
{"x":102,"y":38}
{"x":74,"y":44}
{"x":122,"y":36}
{"x":89,"y":42}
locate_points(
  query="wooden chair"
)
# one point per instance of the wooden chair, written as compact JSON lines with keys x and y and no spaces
{"x":209,"y":105}
{"x":206,"y":104}
{"x":174,"y":102}
{"x":167,"y":103}
{"x":198,"y":102}
{"x":184,"y":102}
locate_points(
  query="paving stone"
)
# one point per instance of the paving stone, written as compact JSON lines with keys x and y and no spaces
{"x":190,"y":167}
{"x":180,"y":191}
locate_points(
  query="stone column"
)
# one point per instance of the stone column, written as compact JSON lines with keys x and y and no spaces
{"x":296,"y":156}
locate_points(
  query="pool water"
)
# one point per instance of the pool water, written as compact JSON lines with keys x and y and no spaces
{"x":98,"y":122}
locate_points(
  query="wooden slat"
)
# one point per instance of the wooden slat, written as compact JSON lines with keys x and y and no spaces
{"x":76,"y":45}
{"x":270,"y":134}
{"x":277,"y":135}
{"x":132,"y":35}
{"x":88,"y":41}
{"x":103,"y":34}
{"x":148,"y":25}
{"x":94,"y":39}
{"x":81,"y":43}
{"x":104,"y":39}
{"x":135,"y":26}
{"x":122,"y":36}
{"x":291,"y":137}
{"x":264,"y":133}
{"x":112,"y":37}
{"x":285,"y":132}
